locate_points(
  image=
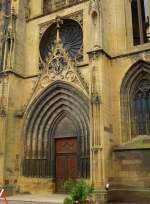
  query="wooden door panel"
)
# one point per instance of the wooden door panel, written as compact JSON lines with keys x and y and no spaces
{"x":61,"y":171}
{"x":72,"y":166}
{"x":61,"y":166}
{"x":66,"y":161}
{"x":67,"y":145}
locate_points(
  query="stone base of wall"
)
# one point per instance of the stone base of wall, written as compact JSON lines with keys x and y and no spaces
{"x":9,"y":189}
{"x":129,"y":195}
{"x":131,"y":175}
{"x":101,"y":196}
{"x":36,"y":185}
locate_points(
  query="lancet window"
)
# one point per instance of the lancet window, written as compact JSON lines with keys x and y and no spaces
{"x":140,"y":21}
{"x":141,"y":109}
{"x":135,"y":101}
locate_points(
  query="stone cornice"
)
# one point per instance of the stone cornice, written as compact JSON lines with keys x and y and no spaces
{"x":97,"y":52}
{"x":7,"y":72}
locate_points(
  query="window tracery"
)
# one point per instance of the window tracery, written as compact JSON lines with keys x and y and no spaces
{"x":71,"y":37}
{"x":141,"y":108}
{"x":135,"y":102}
{"x":140,"y":21}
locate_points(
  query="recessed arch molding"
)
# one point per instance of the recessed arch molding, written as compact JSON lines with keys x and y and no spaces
{"x":58,"y":104}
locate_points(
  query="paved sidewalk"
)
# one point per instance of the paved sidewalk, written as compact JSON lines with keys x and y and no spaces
{"x":41,"y":199}
{"x":50,"y":198}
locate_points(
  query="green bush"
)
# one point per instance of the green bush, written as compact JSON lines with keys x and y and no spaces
{"x":79,"y":191}
{"x":67,"y":201}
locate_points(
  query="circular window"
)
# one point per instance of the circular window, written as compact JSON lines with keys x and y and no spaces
{"x":71,"y":36}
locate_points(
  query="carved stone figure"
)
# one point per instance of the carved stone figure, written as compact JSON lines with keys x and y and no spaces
{"x":9,"y":40}
{"x":94,"y":12}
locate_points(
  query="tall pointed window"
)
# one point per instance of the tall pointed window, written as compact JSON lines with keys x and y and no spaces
{"x":141,"y":109}
{"x":5,"y":9}
{"x":135,"y":101}
{"x":140,"y":21}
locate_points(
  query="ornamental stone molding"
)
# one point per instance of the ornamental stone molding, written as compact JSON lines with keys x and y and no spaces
{"x":59,"y":66}
{"x":3,"y":95}
{"x":77,"y":16}
{"x":94,"y":8}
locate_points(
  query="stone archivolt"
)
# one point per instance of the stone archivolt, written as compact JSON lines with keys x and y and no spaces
{"x":56,"y":102}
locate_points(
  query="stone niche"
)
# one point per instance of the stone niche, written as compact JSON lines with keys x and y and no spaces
{"x":131,"y":175}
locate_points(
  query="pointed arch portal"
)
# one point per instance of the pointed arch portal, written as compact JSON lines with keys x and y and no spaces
{"x":59,"y":116}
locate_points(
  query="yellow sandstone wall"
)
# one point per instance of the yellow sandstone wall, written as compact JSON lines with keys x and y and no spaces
{"x":116,"y":55}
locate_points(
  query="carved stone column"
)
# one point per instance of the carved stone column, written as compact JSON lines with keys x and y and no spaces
{"x":3,"y":122}
{"x":96,"y":117}
{"x":2,"y":148}
{"x":96,"y":151}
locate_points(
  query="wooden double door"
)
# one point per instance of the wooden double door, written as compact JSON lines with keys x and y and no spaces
{"x":66,"y":161}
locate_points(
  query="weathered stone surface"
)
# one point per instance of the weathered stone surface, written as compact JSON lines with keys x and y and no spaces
{"x":102,"y":118}
{"x":36,"y":185}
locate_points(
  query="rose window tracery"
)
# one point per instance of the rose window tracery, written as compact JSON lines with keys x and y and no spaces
{"x":60,"y":47}
{"x":58,"y":62}
{"x":71,"y":37}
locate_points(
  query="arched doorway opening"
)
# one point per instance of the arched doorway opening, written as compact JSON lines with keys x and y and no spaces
{"x":57,"y":133}
{"x":66,"y":151}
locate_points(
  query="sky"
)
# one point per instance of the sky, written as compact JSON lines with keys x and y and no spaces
{"x":146,"y":7}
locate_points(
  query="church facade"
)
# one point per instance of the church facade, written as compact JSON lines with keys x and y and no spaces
{"x":75,"y":96}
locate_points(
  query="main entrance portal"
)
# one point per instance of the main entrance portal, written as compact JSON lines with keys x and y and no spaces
{"x":56,"y":133}
{"x":66,"y":161}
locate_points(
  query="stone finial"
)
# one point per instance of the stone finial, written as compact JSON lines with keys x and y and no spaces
{"x":59,"y":22}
